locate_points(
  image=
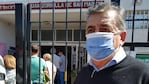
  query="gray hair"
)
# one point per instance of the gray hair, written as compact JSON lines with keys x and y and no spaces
{"x":52,"y":50}
{"x":101,"y":8}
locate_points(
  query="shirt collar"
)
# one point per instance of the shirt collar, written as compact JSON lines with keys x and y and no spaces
{"x":119,"y":56}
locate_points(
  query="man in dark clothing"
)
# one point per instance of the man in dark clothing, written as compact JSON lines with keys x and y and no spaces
{"x":105,"y":34}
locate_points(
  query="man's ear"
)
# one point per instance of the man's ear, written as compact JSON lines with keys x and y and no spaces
{"x":123,"y":36}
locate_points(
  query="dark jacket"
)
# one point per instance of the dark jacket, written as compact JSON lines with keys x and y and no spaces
{"x":128,"y":71}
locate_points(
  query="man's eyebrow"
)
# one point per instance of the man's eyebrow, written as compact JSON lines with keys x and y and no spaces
{"x":90,"y":26}
{"x":106,"y":25}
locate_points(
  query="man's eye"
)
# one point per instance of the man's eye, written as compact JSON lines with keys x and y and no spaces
{"x":90,"y":30}
{"x":104,"y":30}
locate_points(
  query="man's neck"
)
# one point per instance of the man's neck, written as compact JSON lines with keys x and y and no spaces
{"x":35,"y":54}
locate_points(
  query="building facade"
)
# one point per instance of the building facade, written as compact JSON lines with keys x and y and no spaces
{"x":61,"y":23}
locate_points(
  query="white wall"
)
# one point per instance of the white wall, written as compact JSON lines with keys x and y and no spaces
{"x":140,"y":35}
{"x":128,"y":4}
{"x":7,"y":34}
{"x":142,"y":50}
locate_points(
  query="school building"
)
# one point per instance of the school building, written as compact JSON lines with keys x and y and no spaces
{"x":61,"y":23}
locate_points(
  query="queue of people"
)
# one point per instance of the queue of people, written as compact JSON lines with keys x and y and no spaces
{"x":60,"y":63}
{"x":50,"y":63}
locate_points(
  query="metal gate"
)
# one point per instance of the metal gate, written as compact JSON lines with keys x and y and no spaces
{"x":24,"y":34}
{"x":30,"y":29}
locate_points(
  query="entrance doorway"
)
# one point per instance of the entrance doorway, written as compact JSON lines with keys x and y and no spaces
{"x":67,"y":53}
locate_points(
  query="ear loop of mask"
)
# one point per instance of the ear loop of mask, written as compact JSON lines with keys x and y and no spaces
{"x":116,"y":49}
{"x":119,"y":33}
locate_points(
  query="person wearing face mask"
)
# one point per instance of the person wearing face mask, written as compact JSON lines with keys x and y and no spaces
{"x":105,"y":35}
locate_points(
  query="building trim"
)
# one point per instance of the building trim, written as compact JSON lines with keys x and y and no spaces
{"x":137,"y":44}
{"x":57,"y":5}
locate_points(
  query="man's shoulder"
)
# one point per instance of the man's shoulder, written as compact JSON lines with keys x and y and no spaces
{"x":55,"y":55}
{"x":140,"y":67}
{"x":131,"y":61}
{"x":42,"y":59}
{"x":56,"y":58}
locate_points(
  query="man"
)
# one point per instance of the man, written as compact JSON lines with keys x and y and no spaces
{"x":106,"y":33}
{"x":57,"y":61}
{"x":62,"y":66}
{"x":2,"y":71}
{"x":38,"y":66}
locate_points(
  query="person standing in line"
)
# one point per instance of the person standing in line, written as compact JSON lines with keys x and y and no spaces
{"x":105,"y":35}
{"x":2,"y":71}
{"x":10,"y":64}
{"x":57,"y":61}
{"x":51,"y":67}
{"x":37,"y":71}
{"x":62,"y":66}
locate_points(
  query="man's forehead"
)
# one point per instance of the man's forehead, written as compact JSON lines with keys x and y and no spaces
{"x":109,"y":15}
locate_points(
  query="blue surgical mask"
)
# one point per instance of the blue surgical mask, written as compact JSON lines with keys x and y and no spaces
{"x":99,"y":45}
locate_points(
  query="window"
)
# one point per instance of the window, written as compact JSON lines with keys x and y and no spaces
{"x":34,"y":35}
{"x":47,"y":35}
{"x":141,"y":19}
{"x":61,"y":35}
{"x":77,"y":35}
